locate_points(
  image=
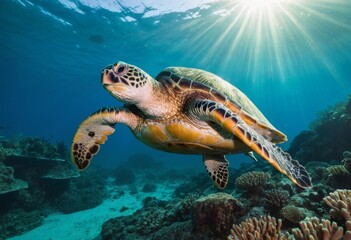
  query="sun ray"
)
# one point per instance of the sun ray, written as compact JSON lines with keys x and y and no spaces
{"x":263,"y":39}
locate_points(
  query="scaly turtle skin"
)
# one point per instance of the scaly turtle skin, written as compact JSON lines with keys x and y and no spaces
{"x":188,"y":111}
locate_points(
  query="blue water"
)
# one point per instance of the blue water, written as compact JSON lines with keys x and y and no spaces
{"x":291,"y":64}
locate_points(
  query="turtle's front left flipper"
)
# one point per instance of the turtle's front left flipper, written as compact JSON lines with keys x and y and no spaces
{"x":94,"y":130}
{"x":208,"y":110}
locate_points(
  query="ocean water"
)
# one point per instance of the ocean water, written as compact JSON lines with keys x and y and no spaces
{"x":291,"y":58}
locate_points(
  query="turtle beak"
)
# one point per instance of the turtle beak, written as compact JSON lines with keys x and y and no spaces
{"x":107,"y":76}
{"x":110,"y":81}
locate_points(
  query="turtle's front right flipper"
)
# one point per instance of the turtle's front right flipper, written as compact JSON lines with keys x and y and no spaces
{"x":94,"y":130}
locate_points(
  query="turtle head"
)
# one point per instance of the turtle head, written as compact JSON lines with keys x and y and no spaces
{"x":126,"y":82}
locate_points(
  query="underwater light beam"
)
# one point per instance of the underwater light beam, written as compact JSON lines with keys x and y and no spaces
{"x":269,"y":39}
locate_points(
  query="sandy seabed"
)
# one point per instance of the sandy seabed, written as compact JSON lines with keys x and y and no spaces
{"x":86,"y":225}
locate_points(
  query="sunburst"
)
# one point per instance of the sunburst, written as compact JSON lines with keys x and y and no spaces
{"x":273,"y":37}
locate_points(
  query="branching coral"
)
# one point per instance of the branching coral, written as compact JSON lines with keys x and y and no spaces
{"x":316,"y":229}
{"x":340,"y":202}
{"x":264,"y":228}
{"x":276,"y":198}
{"x":292,"y":213}
{"x":252,"y":180}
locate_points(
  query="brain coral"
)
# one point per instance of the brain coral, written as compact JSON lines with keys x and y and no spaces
{"x":276,"y":198}
{"x":293,"y":214}
{"x":215,"y":214}
{"x":252,"y":180}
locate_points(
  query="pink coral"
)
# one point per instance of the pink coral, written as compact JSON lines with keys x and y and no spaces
{"x":340,"y":202}
{"x":264,"y":228}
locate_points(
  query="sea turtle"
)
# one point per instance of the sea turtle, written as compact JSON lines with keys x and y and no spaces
{"x":189,"y":111}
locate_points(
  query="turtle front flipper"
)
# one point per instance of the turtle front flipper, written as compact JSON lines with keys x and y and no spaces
{"x":94,"y":130}
{"x":212,"y":111}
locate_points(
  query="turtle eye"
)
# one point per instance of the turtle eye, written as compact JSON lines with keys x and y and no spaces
{"x":121,"y":69}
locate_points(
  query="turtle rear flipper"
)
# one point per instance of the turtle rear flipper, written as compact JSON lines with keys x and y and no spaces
{"x":217,"y":169}
{"x":211,"y":111}
{"x":93,"y":132}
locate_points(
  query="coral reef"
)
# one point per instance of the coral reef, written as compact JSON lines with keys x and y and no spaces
{"x":33,"y":147}
{"x":32,"y":198}
{"x":156,"y":215}
{"x":177,"y":231}
{"x":276,"y":198}
{"x":328,"y":135}
{"x":184,"y":207}
{"x":5,"y":152}
{"x":54,"y":168}
{"x":61,"y":171}
{"x":340,"y":203}
{"x":316,"y":229}
{"x":7,"y":181}
{"x":339,"y":176}
{"x":266,"y":227}
{"x":29,"y":168}
{"x":215,"y":213}
{"x":17,"y":222}
{"x":40,"y":147}
{"x":39,"y":173}
{"x":210,"y":218}
{"x":252,"y":180}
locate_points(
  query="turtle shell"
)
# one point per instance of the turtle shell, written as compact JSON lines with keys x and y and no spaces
{"x":264,"y":127}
